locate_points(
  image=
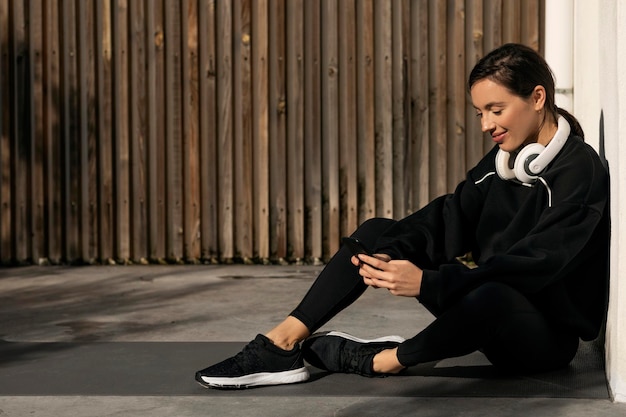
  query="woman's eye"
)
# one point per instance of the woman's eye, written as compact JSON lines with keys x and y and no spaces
{"x":479,"y":115}
{"x":497,"y":112}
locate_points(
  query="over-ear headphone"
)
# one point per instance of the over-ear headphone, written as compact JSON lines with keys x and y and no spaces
{"x":533,"y":158}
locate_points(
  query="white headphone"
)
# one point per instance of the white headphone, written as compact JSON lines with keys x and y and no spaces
{"x":533,"y":158}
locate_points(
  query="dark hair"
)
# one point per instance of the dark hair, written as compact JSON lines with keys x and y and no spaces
{"x":520,"y":69}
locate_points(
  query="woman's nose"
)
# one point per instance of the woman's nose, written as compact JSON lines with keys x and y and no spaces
{"x":486,"y":124}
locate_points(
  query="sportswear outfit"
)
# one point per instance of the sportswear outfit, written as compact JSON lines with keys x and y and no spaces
{"x":541,"y":276}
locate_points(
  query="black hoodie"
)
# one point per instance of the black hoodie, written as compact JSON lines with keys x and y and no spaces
{"x":549,"y":240}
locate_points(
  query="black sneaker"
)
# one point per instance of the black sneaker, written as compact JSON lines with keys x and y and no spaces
{"x":341,"y":352}
{"x":259,"y":363}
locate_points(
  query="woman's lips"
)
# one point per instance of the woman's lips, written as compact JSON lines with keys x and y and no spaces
{"x":499,"y":138}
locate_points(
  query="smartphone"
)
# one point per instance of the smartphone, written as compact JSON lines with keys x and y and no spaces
{"x":356,"y":246}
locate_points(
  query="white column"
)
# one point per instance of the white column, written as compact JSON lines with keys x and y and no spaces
{"x":559,"y":49}
{"x":612,"y":83}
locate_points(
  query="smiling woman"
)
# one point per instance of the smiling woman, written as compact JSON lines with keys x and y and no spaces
{"x":538,"y":237}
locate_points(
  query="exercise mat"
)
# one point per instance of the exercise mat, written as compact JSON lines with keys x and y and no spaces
{"x":167,"y":369}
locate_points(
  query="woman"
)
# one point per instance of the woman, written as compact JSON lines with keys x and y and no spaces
{"x":533,"y":214}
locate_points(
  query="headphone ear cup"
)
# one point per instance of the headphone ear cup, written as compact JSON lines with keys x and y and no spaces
{"x":523,"y":160}
{"x":502,"y":165}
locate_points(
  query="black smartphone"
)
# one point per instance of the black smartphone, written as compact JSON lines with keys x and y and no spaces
{"x":356,"y":246}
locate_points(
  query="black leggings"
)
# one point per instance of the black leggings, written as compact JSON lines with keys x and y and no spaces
{"x":495,"y":318}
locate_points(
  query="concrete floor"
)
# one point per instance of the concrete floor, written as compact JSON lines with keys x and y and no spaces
{"x":230,"y":303}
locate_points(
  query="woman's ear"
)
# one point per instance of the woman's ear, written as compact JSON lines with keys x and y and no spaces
{"x":539,"y":97}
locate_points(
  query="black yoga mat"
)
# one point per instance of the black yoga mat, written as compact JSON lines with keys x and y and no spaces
{"x":167,"y":369}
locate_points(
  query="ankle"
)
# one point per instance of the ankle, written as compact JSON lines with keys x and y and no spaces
{"x":288,"y":334}
{"x":386,"y":362}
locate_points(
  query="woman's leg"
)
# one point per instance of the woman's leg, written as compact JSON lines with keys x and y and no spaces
{"x":338,"y":285}
{"x":502,"y":322}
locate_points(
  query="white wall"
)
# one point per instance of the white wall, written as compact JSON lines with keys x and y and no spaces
{"x":612,"y":48}
{"x":599,"y":74}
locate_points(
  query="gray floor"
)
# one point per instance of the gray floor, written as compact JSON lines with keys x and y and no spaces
{"x":125,"y":341}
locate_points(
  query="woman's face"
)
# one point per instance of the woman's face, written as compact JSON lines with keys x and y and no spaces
{"x":512,"y":121}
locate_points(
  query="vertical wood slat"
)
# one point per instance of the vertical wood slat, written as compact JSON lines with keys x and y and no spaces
{"x":121,"y":131}
{"x":277,"y":131}
{"x":155,"y":121}
{"x":224,"y":129}
{"x":36,"y":160}
{"x":295,"y":127}
{"x":191,"y":140}
{"x":138,"y":131}
{"x":400,"y":150}
{"x":20,"y":131}
{"x":347,"y":117}
{"x":383,"y":108}
{"x":208,"y":140}
{"x":6,"y":234}
{"x":242,"y":140}
{"x":455,"y":150}
{"x":366,"y":124}
{"x":312,"y":130}
{"x":203,"y":130}
{"x":260,"y":127}
{"x":87,"y":132}
{"x":330,"y":126}
{"x":53,"y":134}
{"x":420,"y":132}
{"x":174,"y":131}
{"x":438,"y":107}
{"x":104,"y":74}
{"x":474,"y":38}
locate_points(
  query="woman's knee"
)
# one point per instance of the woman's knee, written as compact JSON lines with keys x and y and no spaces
{"x":495,"y":298}
{"x":370,"y":230}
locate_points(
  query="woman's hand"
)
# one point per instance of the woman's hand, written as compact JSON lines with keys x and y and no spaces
{"x":399,"y":277}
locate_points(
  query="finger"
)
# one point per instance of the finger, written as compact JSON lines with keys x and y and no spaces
{"x":372,"y":261}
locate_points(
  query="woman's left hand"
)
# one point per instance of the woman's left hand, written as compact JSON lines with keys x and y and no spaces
{"x":401,"y":278}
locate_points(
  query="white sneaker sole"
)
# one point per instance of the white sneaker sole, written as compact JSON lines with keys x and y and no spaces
{"x":254,"y":380}
{"x":393,"y":338}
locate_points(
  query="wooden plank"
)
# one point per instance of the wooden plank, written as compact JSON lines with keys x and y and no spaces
{"x":208,"y":127}
{"x":260,"y":128}
{"x":155,"y":125}
{"x":438,"y":94}
{"x":530,"y":18}
{"x":384,"y":96}
{"x":174,"y":131}
{"x":121,"y":131}
{"x":492,"y":17}
{"x":87,"y":132}
{"x":278,"y":132}
{"x":7,"y":254}
{"x":71,"y":134}
{"x":191,"y":142}
{"x":52,"y":134}
{"x":37,"y":142}
{"x":22,"y":146}
{"x":312,"y":131}
{"x":330,"y":127}
{"x":104,"y":115}
{"x":225,"y":129}
{"x":420,"y":138}
{"x":347,"y":117}
{"x":366,"y":131}
{"x":138,"y":132}
{"x":512,"y":21}
{"x":295,"y":128}
{"x":242,"y":134}
{"x":456,"y":95}
{"x":400,"y":144}
{"x":474,"y":138}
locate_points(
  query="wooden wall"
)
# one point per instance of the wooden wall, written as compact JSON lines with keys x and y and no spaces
{"x":220,"y":130}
